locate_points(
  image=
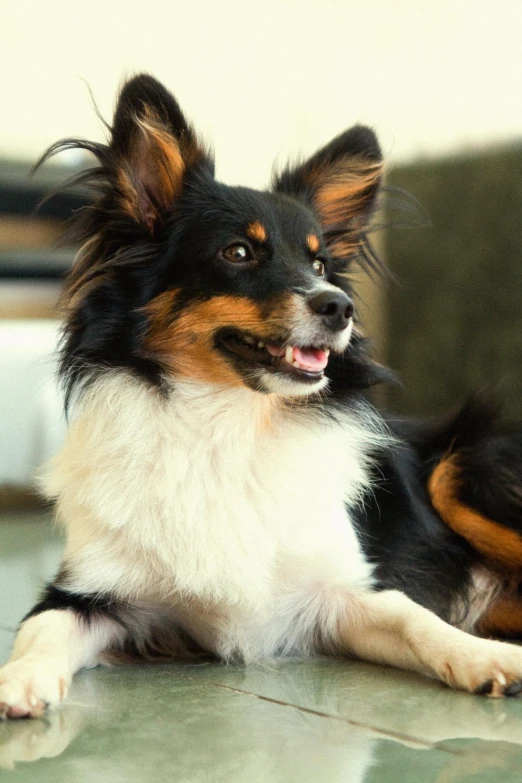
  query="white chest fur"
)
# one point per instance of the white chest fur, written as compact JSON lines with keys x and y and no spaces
{"x":225,"y":496}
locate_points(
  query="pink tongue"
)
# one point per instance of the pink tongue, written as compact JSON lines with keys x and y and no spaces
{"x":310,"y":358}
{"x":307,"y":358}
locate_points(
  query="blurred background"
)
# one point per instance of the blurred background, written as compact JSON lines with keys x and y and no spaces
{"x":441,"y":83}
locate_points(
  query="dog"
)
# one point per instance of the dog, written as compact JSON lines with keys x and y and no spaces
{"x":226,"y":487}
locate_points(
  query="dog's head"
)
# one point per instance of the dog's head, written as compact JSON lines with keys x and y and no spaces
{"x":183,"y":276}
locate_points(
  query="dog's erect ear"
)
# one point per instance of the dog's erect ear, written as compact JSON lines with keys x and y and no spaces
{"x":153,"y":149}
{"x":340,"y":182}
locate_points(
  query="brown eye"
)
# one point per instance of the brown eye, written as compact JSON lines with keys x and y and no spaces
{"x":319,"y":268}
{"x":237,"y":253}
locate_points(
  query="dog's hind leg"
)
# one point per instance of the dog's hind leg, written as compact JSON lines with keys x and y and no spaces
{"x":388,"y":627}
{"x":62,"y":634}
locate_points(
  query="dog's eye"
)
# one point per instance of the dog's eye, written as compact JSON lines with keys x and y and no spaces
{"x":237,"y":254}
{"x":319,"y":268}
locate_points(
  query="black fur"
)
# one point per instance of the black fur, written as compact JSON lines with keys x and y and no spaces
{"x":412,"y":549}
{"x":91,"y":607}
{"x":87,"y":607}
{"x":489,"y":458}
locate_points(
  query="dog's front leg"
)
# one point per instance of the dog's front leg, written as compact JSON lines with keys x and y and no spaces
{"x":49,"y":648}
{"x":388,"y":627}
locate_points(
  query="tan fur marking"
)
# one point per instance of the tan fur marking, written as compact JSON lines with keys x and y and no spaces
{"x":341,"y":196}
{"x":79,"y":289}
{"x":84,"y":276}
{"x":312,"y":241}
{"x":344,"y":246}
{"x":256,"y":231}
{"x":504,"y":618}
{"x":488,"y":537}
{"x":160,"y":162}
{"x":153,"y":173}
{"x":160,"y":309}
{"x":129,"y":200}
{"x":184,"y":344}
{"x":155,"y":167}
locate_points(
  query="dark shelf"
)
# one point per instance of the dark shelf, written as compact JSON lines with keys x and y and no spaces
{"x":21,"y":193}
{"x":35,"y":264}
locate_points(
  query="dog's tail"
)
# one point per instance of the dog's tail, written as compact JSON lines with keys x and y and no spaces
{"x":476,"y":488}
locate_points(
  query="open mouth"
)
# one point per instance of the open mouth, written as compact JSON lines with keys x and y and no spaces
{"x":304,"y":362}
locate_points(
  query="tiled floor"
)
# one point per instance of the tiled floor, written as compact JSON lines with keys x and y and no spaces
{"x":319,"y":722}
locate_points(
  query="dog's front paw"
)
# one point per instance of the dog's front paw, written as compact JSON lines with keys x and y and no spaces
{"x":29,"y":686}
{"x":486,"y":668}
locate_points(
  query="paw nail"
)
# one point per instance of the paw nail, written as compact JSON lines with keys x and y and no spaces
{"x":514,"y":689}
{"x":484,"y":688}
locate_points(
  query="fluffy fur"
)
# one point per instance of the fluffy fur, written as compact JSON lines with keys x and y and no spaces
{"x":225,"y":487}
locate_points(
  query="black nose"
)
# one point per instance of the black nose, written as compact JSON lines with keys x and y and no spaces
{"x":335,"y":308}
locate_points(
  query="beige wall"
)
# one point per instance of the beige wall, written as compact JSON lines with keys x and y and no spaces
{"x":270,"y":78}
{"x":264,"y":81}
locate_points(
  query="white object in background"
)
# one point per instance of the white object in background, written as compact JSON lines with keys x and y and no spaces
{"x":32,"y":423}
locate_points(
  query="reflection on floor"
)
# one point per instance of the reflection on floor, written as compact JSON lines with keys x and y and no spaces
{"x":320,"y":722}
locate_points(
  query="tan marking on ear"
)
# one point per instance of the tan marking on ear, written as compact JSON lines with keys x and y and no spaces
{"x":341,"y":194}
{"x":344,"y":246}
{"x":161,"y":165}
{"x":184,"y":343}
{"x":256,"y":231}
{"x":129,"y":198}
{"x":504,"y":618}
{"x":490,"y":538}
{"x":312,"y":241}
{"x":151,"y":175}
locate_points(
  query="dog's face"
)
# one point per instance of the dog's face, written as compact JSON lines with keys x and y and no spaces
{"x":222,"y":284}
{"x":246,"y":298}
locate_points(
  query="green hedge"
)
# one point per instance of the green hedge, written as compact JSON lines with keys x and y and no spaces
{"x":455,"y":315}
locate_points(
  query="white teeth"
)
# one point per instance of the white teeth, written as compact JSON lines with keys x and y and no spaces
{"x":296,"y":364}
{"x":289,"y":354}
{"x":249,"y":340}
{"x":327,"y":352}
{"x":260,"y":344}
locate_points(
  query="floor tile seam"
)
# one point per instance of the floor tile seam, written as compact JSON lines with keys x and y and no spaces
{"x":383,"y":733}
